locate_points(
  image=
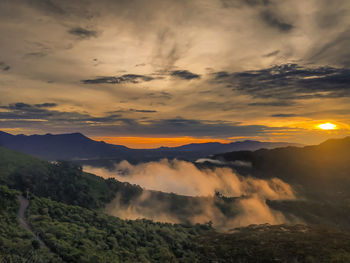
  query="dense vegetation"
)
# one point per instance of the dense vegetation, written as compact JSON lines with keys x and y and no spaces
{"x":61,"y":181}
{"x":76,"y":234}
{"x":11,"y":161}
{"x":82,"y":235}
{"x":16,"y":243}
{"x":332,"y":214}
{"x":278,"y":243}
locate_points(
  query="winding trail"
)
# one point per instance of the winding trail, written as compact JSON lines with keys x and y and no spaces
{"x":21,"y":212}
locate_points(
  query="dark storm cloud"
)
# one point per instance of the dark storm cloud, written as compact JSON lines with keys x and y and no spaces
{"x":184,"y":74}
{"x":283,"y":115}
{"x":83,"y":33}
{"x":126,"y":78}
{"x":289,"y":82}
{"x":273,"y":20}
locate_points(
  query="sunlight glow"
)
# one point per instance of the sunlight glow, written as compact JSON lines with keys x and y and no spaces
{"x":154,"y":142}
{"x":327,"y":126}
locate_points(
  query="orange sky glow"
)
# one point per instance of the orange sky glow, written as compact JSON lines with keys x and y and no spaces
{"x":148,"y":142}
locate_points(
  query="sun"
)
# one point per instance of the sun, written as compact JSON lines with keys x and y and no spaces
{"x":327,"y":126}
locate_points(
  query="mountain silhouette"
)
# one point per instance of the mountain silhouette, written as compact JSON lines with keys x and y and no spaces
{"x":76,"y":146}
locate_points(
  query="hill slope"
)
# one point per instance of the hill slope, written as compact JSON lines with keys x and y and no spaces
{"x":321,"y":171}
{"x":61,"y":181}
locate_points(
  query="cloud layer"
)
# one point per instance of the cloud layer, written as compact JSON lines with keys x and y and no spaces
{"x":252,"y":62}
{"x":185,"y":178}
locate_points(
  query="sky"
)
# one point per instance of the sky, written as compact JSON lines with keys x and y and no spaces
{"x":162,"y":72}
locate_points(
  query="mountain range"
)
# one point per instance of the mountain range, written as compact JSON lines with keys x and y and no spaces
{"x":76,"y":146}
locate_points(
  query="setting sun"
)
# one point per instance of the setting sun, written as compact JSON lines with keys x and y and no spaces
{"x":327,"y":126}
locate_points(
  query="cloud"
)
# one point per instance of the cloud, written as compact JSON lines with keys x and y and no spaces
{"x":185,"y":127}
{"x":132,"y":110}
{"x":143,"y":111}
{"x":289,"y":82}
{"x":46,"y":105}
{"x":4,"y":66}
{"x":113,"y":123}
{"x":274,"y":21}
{"x":248,"y":194}
{"x":271,"y":54}
{"x":240,"y":3}
{"x":126,"y":78}
{"x":83,"y":33}
{"x":48,"y":6}
{"x":276,"y":103}
{"x":180,"y":37}
{"x":39,"y":50}
{"x":184,"y":74}
{"x":334,"y":51}
{"x":283,"y":115}
{"x":159,"y":95}
{"x":22,"y":111}
{"x":267,"y":12}
{"x":169,"y":48}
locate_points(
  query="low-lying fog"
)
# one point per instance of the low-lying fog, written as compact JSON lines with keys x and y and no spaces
{"x":184,"y":178}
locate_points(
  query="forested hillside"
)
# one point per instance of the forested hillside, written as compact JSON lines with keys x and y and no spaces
{"x":61,"y":181}
{"x":65,"y":210}
{"x":82,"y":235}
{"x":320,"y":172}
{"x":16,"y":243}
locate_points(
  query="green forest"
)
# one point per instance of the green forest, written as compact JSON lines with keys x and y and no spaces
{"x":66,"y":212}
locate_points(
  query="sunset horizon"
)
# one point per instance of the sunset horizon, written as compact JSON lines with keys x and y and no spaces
{"x":187,"y":131}
{"x":250,"y":69}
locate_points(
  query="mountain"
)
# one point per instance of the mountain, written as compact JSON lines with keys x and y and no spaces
{"x":319,"y":171}
{"x":227,"y":147}
{"x":61,"y":146}
{"x":65,"y":212}
{"x":76,"y":146}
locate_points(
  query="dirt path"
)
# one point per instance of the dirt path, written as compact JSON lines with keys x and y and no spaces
{"x":21,"y":212}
